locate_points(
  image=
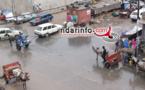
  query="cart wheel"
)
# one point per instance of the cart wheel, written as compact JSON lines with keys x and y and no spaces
{"x":18,"y":47}
{"x":107,"y":65}
{"x":7,"y":82}
{"x":27,"y":45}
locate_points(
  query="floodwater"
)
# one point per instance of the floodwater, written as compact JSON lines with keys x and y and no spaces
{"x":68,"y":63}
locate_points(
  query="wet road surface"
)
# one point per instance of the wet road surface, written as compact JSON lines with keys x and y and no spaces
{"x":68,"y":63}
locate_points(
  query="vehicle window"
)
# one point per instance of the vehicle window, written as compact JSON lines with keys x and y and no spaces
{"x":44,"y":16}
{"x":142,"y":13}
{"x":49,"y":15}
{"x":45,"y":28}
{"x":27,"y":16}
{"x":49,"y":27}
{"x":53,"y":26}
{"x":134,"y":13}
{"x":39,"y":28}
{"x":2,"y":32}
{"x":8,"y":31}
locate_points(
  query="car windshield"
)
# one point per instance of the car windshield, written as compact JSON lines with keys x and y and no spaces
{"x":26,"y":14}
{"x":39,"y":28}
{"x":20,"y":17}
{"x":134,"y":13}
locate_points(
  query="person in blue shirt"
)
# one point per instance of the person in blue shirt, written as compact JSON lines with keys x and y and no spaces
{"x":117,"y":46}
{"x":126,"y":43}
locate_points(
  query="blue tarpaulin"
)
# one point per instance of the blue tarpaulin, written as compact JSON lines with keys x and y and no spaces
{"x":6,"y":12}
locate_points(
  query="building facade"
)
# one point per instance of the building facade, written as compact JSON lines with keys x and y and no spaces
{"x":21,"y":6}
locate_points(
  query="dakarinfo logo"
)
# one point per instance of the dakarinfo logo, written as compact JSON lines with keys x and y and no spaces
{"x":106,"y":34}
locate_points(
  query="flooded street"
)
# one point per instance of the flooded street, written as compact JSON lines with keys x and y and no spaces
{"x":69,"y":63}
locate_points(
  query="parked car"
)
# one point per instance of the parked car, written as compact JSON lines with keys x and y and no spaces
{"x":133,"y":15}
{"x":135,"y":3}
{"x":45,"y":17}
{"x":46,"y":29}
{"x":25,"y":17}
{"x":13,"y":33}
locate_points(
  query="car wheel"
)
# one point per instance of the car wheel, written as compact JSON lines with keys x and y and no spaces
{"x":49,"y":20}
{"x":39,"y":36}
{"x":21,"y":22}
{"x":47,"y":35}
{"x":18,"y":47}
{"x":27,"y":45}
{"x":107,"y":65}
{"x":33,"y":24}
{"x":0,"y":39}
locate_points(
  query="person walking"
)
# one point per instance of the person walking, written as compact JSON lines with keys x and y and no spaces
{"x":130,"y":44}
{"x":133,"y":44}
{"x":37,"y":19}
{"x":9,"y":38}
{"x":104,"y":54}
{"x":40,"y":10}
{"x":37,"y":9}
{"x":117,"y":46}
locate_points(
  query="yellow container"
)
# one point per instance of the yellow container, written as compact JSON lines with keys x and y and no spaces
{"x":130,"y":63}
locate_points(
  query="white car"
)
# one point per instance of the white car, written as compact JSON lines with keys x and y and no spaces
{"x":46,"y":29}
{"x":13,"y":33}
{"x":133,"y":15}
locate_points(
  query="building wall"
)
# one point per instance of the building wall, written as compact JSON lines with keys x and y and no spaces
{"x":18,"y":6}
{"x":27,"y":5}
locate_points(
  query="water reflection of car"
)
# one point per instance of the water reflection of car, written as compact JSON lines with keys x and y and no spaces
{"x":25,"y":17}
{"x":45,"y":17}
{"x":46,"y":29}
{"x":13,"y":33}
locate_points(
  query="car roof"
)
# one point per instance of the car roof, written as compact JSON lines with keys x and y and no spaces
{"x":4,"y":29}
{"x":46,"y":24}
{"x":140,"y":11}
{"x":44,"y":14}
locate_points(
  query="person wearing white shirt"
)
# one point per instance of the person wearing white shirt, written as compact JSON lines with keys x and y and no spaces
{"x":39,"y":7}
